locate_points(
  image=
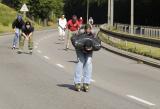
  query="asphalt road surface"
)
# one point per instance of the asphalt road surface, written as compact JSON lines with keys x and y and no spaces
{"x":44,"y":80}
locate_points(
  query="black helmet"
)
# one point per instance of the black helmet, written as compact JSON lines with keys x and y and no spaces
{"x":74,"y":18}
{"x":28,"y":23}
{"x":87,"y":26}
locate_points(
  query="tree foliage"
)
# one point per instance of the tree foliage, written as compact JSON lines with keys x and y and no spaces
{"x":98,"y":9}
{"x":146,"y":11}
{"x":39,"y":8}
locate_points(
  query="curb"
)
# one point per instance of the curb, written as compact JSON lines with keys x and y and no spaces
{"x":139,"y":58}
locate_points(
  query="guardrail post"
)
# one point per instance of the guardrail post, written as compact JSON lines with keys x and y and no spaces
{"x":148,"y":32}
{"x":135,"y":28}
{"x":152,"y":32}
{"x":126,"y":29}
{"x":156,"y":33}
{"x":142,"y":31}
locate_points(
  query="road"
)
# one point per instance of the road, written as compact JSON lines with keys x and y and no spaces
{"x":44,"y":80}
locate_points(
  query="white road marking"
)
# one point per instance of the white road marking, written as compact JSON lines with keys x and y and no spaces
{"x":46,"y":57}
{"x":59,"y":65}
{"x":39,"y":51}
{"x":37,"y":43}
{"x":35,"y":47}
{"x":92,"y":80}
{"x":141,"y":100}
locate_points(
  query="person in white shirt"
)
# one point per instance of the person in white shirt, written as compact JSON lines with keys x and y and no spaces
{"x":62,"y":22}
{"x":91,"y":21}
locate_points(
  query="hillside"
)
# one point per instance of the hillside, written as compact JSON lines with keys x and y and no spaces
{"x":7,"y":15}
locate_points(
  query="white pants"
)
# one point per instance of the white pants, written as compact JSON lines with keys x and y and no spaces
{"x":61,"y":32}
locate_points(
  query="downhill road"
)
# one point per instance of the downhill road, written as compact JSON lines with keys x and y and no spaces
{"x":44,"y":80}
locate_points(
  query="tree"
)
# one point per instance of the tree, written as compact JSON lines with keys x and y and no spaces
{"x":79,"y":7}
{"x":17,"y":4}
{"x":44,"y":8}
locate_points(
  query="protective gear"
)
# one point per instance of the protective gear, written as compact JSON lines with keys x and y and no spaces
{"x":19,"y":18}
{"x":79,"y":42}
{"x":87,"y":26}
{"x":28,"y":24}
{"x":74,"y":18}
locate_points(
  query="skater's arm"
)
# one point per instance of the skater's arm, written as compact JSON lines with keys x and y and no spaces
{"x":14,"y":26}
{"x":30,"y":35}
{"x":31,"y":32}
{"x":24,"y":35}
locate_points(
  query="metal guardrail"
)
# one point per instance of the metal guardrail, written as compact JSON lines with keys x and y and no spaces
{"x":133,"y":38}
{"x":152,"y":42}
{"x":145,"y":31}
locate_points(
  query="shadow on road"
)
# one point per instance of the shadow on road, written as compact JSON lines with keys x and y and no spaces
{"x":66,"y":49}
{"x":59,"y":43}
{"x":73,"y":61}
{"x":69,"y":86}
{"x":27,"y":53}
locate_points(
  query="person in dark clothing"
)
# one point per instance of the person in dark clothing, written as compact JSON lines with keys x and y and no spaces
{"x":17,"y":26}
{"x":27,"y":34}
{"x":84,"y":65}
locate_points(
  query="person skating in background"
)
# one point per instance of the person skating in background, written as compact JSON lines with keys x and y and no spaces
{"x":62,"y":23}
{"x":80,"y":21}
{"x":17,"y":26}
{"x":90,"y":21}
{"x":73,"y":27}
{"x":27,"y":34}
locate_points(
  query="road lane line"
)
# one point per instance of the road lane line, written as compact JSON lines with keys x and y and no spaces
{"x":35,"y":47}
{"x":46,"y":57}
{"x":141,"y":100}
{"x":92,"y":80}
{"x":37,"y":43}
{"x":39,"y":51}
{"x":59,"y":65}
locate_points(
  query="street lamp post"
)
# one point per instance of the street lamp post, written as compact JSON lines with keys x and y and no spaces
{"x":109,"y":13}
{"x":87,"y":10}
{"x":112,"y":13}
{"x":132,"y":16}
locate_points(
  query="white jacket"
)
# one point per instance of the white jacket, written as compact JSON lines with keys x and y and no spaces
{"x":62,"y":23}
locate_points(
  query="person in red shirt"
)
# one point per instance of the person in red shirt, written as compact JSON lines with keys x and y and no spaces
{"x":73,"y":27}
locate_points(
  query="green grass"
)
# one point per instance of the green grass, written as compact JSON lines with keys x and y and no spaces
{"x":7,"y":16}
{"x":137,"y":48}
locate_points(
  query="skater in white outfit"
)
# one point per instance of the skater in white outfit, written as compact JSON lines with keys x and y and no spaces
{"x":62,"y":22}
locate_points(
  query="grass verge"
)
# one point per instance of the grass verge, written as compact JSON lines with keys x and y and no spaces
{"x":137,"y":48}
